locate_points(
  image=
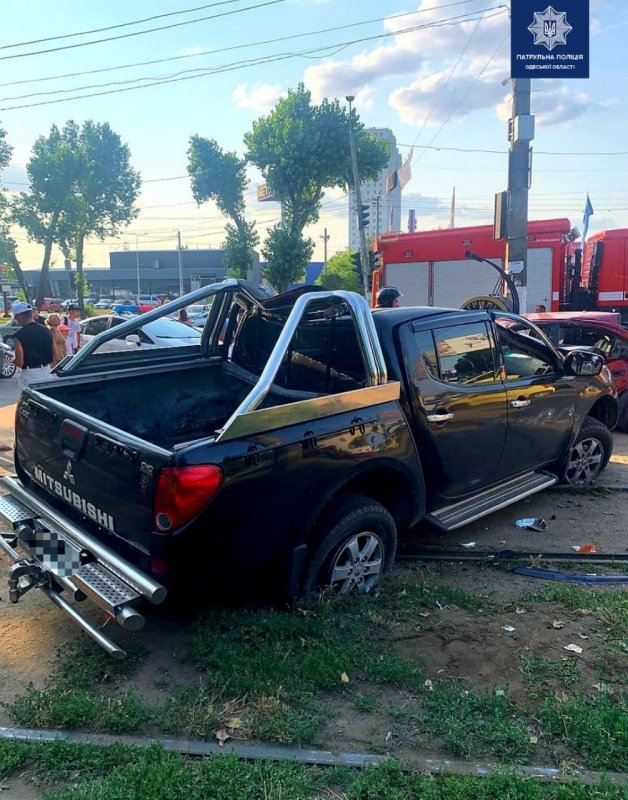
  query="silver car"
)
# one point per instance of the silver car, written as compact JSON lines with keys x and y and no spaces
{"x":160,"y":333}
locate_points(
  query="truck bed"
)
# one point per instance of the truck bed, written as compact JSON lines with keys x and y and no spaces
{"x":168,"y":407}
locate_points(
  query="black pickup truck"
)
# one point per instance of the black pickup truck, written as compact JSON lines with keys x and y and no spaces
{"x":290,"y":445}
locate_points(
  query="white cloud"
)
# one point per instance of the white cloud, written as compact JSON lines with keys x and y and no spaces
{"x":407,"y":52}
{"x":439,"y":97}
{"x":554,"y":104}
{"x":261,"y":97}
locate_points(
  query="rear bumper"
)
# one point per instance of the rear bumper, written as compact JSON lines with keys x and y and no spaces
{"x":50,"y":552}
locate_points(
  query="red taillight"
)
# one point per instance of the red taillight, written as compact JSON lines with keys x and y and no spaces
{"x":181,"y":494}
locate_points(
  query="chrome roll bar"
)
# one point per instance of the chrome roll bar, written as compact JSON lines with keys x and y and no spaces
{"x":368,"y":341}
{"x":149,"y":316}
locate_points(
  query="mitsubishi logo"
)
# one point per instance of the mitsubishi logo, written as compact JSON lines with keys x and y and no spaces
{"x":67,"y":475}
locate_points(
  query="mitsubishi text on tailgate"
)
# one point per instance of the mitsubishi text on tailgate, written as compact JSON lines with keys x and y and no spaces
{"x":287,"y":447}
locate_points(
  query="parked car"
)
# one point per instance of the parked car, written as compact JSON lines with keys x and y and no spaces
{"x":288,"y":448}
{"x":7,"y":333}
{"x":198,"y":313}
{"x":69,"y":302}
{"x":7,"y":368}
{"x":50,"y":305}
{"x":161,"y":333}
{"x":103,"y":305}
{"x":600,"y":332}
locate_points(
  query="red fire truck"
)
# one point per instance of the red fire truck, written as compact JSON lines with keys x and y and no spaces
{"x":430,"y":267}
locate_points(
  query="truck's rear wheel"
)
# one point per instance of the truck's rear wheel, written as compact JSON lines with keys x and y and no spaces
{"x":358,"y":545}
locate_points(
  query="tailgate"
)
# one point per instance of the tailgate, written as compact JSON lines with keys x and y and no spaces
{"x":102,"y":476}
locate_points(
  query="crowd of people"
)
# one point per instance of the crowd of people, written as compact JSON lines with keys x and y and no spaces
{"x":40,"y":343}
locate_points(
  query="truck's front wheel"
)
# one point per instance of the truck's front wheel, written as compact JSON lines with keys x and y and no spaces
{"x":358,"y":545}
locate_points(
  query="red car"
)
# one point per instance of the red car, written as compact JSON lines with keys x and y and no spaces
{"x":50,"y":304}
{"x":598,"y":330}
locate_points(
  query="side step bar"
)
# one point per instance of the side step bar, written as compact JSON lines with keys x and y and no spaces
{"x":449,"y":518}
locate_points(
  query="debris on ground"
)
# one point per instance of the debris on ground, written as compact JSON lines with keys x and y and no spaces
{"x":532,"y":524}
{"x":573,"y":648}
{"x":584,"y":548}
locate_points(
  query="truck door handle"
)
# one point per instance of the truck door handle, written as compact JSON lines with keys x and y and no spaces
{"x":443,"y":416}
{"x":519,"y":403}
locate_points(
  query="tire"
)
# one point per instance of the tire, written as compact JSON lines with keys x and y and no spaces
{"x":357,"y":527}
{"x":622,"y":422}
{"x":7,"y":368}
{"x":588,"y":455}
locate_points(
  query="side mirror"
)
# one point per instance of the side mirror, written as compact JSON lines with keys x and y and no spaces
{"x":133,"y":338}
{"x":582,"y":362}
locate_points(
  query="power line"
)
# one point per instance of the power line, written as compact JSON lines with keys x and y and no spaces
{"x":201,"y":70}
{"x":241,"y":64}
{"x":233,"y":47}
{"x":114,"y":27}
{"x":141,"y":33}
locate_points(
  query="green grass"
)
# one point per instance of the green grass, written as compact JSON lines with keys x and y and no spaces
{"x":265,"y":652}
{"x":470,"y":723}
{"x":596,"y":728}
{"x":79,"y":772}
{"x":538,"y":670}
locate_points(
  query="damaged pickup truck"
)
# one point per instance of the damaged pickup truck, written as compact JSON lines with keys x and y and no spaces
{"x":289,"y":446}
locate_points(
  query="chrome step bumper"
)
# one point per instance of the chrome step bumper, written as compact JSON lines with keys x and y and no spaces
{"x":53,"y":554}
{"x":480,"y":505}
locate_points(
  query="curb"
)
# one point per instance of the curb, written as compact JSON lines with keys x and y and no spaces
{"x":322,"y":758}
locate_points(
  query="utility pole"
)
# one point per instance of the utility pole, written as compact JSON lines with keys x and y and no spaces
{"x":137,"y":266}
{"x":325,"y":237}
{"x":364,"y":256}
{"x":377,"y":202}
{"x":180,"y":264}
{"x":520,"y":134}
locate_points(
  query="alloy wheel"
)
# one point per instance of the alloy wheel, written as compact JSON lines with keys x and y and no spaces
{"x":8,"y":367}
{"x":585,"y":462}
{"x":357,"y":564}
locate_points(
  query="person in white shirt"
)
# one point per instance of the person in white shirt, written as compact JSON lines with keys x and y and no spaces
{"x":73,"y":342}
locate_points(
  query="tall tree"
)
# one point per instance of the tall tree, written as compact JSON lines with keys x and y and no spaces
{"x":302,"y":149}
{"x":106,"y":188}
{"x":340,"y":273}
{"x":53,"y":168}
{"x":221,"y":177}
{"x":287,"y":255}
{"x":8,"y":246}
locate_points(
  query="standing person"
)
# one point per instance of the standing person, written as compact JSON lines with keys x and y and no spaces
{"x":183,"y":317}
{"x":388,"y":297}
{"x":33,"y":346}
{"x":38,"y":317}
{"x":540,"y":309}
{"x":59,"y":351}
{"x":74,"y":330}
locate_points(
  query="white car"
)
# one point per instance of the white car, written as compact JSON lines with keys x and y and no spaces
{"x":160,"y":333}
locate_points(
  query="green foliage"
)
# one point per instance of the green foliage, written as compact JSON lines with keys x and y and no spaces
{"x":82,"y":772}
{"x":287,"y":255}
{"x":537,"y":671}
{"x":238,"y":245}
{"x":81,"y":184}
{"x":340,"y":274}
{"x":594,"y":727}
{"x":302,"y":148}
{"x":472,"y":723}
{"x":221,"y":177}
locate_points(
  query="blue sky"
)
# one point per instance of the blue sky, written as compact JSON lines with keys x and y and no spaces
{"x":435,"y":87}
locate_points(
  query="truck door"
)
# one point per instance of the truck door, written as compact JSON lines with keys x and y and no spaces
{"x":459,"y":403}
{"x":541,"y":403}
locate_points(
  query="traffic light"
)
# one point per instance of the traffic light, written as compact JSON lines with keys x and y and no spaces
{"x":375,"y":262}
{"x":356,"y":264}
{"x":363,"y":216}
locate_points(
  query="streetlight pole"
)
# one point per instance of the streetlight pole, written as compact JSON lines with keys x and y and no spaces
{"x":137,"y":266}
{"x":364,"y":256}
{"x":325,"y":237}
{"x":521,"y":132}
{"x":180,"y":263}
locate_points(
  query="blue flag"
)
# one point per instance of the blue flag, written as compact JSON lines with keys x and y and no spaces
{"x":588,"y":212}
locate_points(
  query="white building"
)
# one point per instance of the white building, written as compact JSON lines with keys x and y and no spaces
{"x":384,"y":209}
